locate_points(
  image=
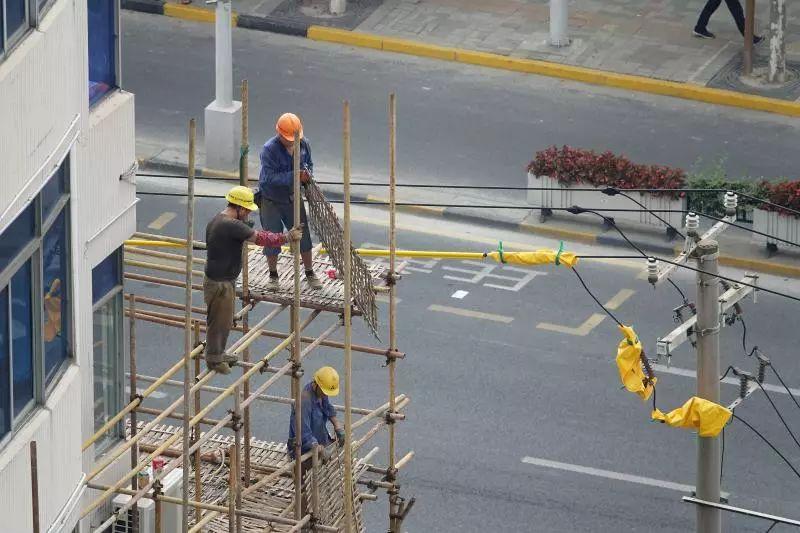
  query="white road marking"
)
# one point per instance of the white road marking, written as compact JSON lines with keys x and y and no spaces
{"x":156,"y":395}
{"x":685,"y":372}
{"x":471,"y":314}
{"x":610,"y":474}
{"x":459,"y":295}
{"x":162,"y":220}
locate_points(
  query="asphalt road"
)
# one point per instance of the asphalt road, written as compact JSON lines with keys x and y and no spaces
{"x":457,"y":123}
{"x":493,"y":388}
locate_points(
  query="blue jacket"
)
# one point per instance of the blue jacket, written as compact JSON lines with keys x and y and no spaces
{"x":315,"y":413}
{"x":277,"y":170}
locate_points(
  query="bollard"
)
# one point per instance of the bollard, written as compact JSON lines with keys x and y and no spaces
{"x":558,"y":23}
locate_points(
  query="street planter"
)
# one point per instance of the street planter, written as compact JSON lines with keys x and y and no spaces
{"x":561,"y":196}
{"x":778,"y":224}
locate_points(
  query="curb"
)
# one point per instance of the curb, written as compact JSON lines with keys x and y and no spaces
{"x":332,"y":193}
{"x":686,"y":91}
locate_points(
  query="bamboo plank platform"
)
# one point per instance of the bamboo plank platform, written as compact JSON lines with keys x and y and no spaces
{"x":276,"y":499}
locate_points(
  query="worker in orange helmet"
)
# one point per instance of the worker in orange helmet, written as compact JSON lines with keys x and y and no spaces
{"x":276,"y":187}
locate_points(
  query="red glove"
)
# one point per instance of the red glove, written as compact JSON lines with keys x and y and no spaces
{"x":269,"y":239}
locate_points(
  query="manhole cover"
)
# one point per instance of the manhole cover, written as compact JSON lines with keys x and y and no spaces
{"x":730,"y":77}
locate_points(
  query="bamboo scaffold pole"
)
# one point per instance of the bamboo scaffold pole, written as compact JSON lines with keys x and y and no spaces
{"x":296,"y":364}
{"x":134,"y":421}
{"x":392,"y":279}
{"x":348,"y":332}
{"x":198,"y":479}
{"x":187,"y":334}
{"x":245,"y":150}
{"x":173,"y":438}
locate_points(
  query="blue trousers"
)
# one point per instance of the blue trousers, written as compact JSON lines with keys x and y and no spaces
{"x":277,"y":216}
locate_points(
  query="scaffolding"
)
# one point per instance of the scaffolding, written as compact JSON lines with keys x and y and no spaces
{"x":232,"y":481}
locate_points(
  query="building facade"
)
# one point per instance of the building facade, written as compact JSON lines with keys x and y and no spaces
{"x":67,"y":202}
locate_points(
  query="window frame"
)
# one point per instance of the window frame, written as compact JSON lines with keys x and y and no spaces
{"x":116,"y":293}
{"x":117,"y":54}
{"x":34,"y":13}
{"x":32,"y":252}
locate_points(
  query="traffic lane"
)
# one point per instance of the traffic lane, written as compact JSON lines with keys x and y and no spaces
{"x":456,"y":123}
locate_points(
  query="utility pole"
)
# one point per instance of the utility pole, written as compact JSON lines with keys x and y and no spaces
{"x":224,"y":115}
{"x":709,"y":519}
{"x":338,"y":7}
{"x":749,"y":31}
{"x":559,"y":18}
{"x":777,"y":41}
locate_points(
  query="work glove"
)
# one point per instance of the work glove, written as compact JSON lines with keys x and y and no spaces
{"x":340,"y":437}
{"x":325,"y":454}
{"x":295,"y":234}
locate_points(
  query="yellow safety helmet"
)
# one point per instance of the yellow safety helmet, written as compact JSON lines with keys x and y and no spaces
{"x":327,"y":379}
{"x":242,"y":196}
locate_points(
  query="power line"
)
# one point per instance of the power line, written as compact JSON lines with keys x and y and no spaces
{"x":603,"y":307}
{"x":777,"y":412}
{"x":784,"y":385}
{"x":754,"y":430}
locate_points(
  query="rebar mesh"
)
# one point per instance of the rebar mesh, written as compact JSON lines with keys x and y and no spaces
{"x":325,"y":224}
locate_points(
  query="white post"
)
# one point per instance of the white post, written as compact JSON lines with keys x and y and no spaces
{"x":338,"y":7}
{"x":224,"y":115}
{"x":777,"y":41}
{"x":558,"y":22}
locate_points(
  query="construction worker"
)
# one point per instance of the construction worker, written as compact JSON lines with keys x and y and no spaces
{"x":276,"y":187}
{"x":226,"y":234}
{"x":316,"y":411}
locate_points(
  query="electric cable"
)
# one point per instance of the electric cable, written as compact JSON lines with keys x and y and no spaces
{"x":744,"y":338}
{"x":612,"y":191}
{"x":754,"y":430}
{"x":784,"y":384}
{"x":777,"y":412}
{"x":603,"y":307}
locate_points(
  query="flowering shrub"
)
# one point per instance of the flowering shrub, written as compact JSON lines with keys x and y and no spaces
{"x":574,"y":166}
{"x":783,"y":193}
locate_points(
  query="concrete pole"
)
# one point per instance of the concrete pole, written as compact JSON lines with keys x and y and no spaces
{"x":223,"y":115}
{"x":709,"y":520}
{"x":338,"y":7}
{"x":777,"y":41}
{"x":559,"y":18}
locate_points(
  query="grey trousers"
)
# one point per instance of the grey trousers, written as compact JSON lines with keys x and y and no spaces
{"x":220,"y":298}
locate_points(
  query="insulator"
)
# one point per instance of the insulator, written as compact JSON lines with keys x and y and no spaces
{"x":652,"y":270}
{"x":692,"y":222}
{"x":731,"y":202}
{"x":762,"y":368}
{"x":742,"y":386}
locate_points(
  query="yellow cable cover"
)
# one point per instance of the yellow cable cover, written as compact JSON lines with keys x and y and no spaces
{"x":538,"y":257}
{"x":707,"y":417}
{"x":629,"y":364}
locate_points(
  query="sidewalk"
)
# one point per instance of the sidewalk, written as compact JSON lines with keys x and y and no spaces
{"x":738,"y":248}
{"x":650,"y":38}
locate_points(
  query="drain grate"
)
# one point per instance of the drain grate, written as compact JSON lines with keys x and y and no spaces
{"x":730,"y":77}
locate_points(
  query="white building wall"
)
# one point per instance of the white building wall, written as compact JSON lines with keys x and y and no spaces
{"x":45,"y":115}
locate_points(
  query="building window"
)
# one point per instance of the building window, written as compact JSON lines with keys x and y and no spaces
{"x":14,"y":22}
{"x":102,"y":48}
{"x":35,"y":326}
{"x":108,"y":345}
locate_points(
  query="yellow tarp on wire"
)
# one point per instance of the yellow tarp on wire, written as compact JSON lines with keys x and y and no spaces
{"x":538,"y":257}
{"x":707,"y":417}
{"x":629,"y":364}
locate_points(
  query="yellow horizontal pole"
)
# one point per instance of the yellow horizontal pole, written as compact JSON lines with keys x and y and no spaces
{"x":155,"y":244}
{"x":368,"y":252}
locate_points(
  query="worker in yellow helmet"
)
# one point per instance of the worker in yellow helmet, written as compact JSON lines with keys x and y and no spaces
{"x":276,"y":188}
{"x":226,"y":234}
{"x":316,"y":412}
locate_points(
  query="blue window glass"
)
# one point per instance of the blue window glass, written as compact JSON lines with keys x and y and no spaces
{"x":5,"y":379}
{"x":54,"y":189}
{"x":106,"y":276}
{"x":22,"y":337}
{"x":1,"y":43}
{"x":55,"y":293}
{"x":15,"y":15}
{"x":102,"y":48}
{"x":17,"y":235}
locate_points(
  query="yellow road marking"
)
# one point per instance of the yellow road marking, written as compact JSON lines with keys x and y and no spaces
{"x":471,"y":314}
{"x":385,"y":298}
{"x":581,"y":331}
{"x":619,"y":298}
{"x":593,"y":321}
{"x":162,"y":220}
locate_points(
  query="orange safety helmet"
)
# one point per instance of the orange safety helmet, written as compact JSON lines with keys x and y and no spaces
{"x":287,"y":125}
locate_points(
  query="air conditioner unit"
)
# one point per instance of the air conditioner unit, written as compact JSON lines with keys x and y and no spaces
{"x":170,"y":514}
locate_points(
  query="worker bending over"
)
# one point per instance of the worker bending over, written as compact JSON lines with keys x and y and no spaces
{"x":226,"y":234}
{"x":276,"y":187}
{"x":316,"y":412}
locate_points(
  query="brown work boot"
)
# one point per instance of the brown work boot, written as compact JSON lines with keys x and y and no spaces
{"x":220,"y":368}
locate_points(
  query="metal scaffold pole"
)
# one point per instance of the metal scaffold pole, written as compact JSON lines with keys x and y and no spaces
{"x":133,"y":396}
{"x":296,"y":346}
{"x":187,"y":334}
{"x":709,"y":519}
{"x":391,"y":362}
